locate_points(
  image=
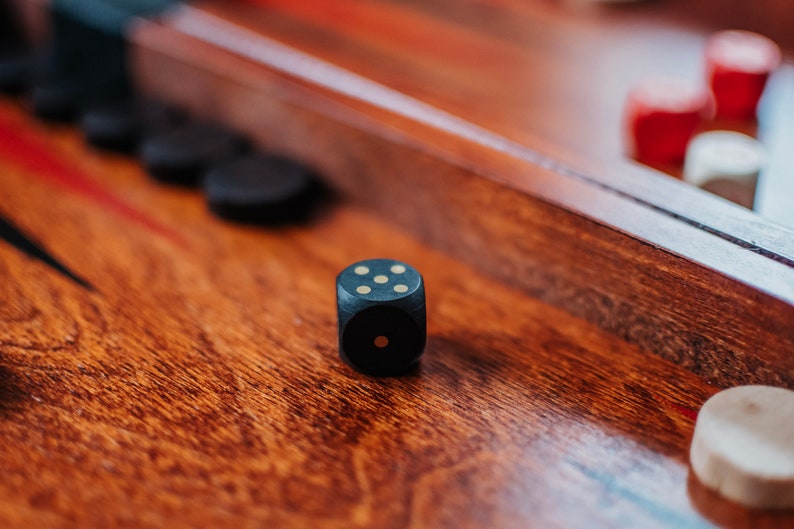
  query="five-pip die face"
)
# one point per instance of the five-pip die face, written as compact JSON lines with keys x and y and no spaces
{"x":382,"y":316}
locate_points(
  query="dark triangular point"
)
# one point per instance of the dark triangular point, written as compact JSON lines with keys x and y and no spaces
{"x":19,"y":240}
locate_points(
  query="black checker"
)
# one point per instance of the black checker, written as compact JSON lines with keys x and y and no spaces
{"x":124,"y":124}
{"x":260,"y":188}
{"x":182,"y":155}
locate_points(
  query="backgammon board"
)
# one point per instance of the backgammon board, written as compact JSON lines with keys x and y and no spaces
{"x":162,"y":367}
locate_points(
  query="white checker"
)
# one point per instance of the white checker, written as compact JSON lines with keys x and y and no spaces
{"x":743,"y":446}
{"x":723,"y":155}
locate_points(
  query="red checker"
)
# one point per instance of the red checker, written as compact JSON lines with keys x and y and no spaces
{"x":738,"y":64}
{"x":661,"y":116}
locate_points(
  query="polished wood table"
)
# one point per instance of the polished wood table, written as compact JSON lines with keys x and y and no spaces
{"x":180,"y":371}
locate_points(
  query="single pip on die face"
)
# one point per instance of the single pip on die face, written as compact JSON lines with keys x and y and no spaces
{"x":382,"y":316}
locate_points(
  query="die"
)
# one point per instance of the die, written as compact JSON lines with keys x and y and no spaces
{"x":382,"y":316}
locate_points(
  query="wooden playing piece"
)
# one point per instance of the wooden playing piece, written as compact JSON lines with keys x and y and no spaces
{"x":738,"y":64}
{"x":181,"y":156}
{"x":260,"y":188}
{"x":743,"y":445}
{"x":725,"y":163}
{"x":661,"y":117}
{"x":122,"y":125}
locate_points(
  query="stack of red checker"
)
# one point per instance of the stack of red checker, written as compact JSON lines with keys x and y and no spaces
{"x":662,"y":115}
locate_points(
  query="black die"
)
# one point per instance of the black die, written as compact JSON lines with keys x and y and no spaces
{"x":382,"y":316}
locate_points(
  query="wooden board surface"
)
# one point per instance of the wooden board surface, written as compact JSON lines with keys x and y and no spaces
{"x":190,"y":378}
{"x":197,"y":383}
{"x":376,"y":109}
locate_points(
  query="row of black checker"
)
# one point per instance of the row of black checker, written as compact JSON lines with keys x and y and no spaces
{"x":81,"y":76}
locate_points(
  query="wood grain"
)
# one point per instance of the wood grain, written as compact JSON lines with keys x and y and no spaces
{"x":198,"y":385}
{"x":576,"y":322}
{"x":688,"y":280}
